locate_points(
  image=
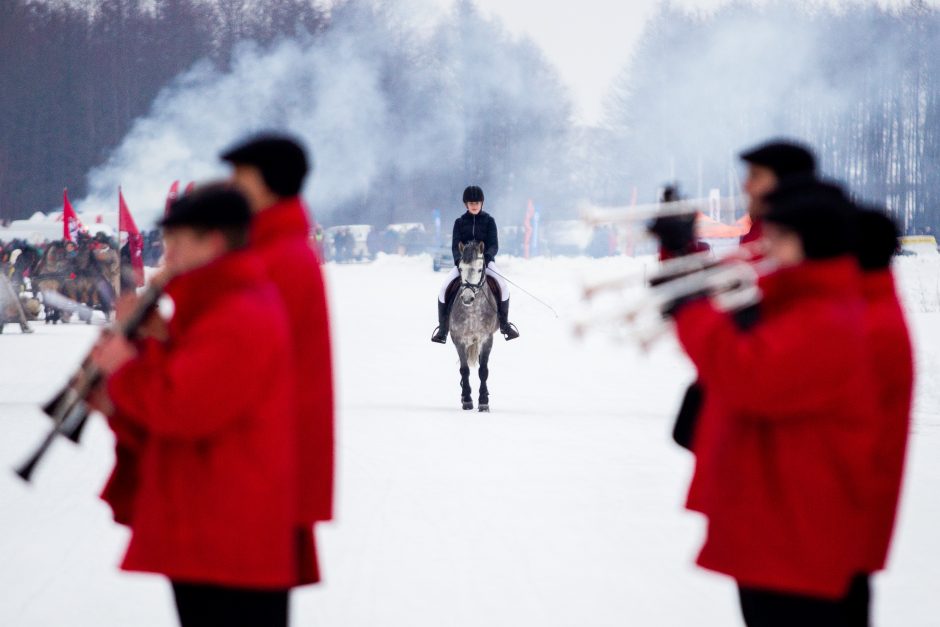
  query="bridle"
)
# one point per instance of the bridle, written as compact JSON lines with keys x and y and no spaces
{"x":477,"y":288}
{"x":474,"y":287}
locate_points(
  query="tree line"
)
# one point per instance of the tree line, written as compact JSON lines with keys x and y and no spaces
{"x":462,"y":100}
{"x":859,"y":83}
{"x":74,"y":78}
{"x":465,"y":101}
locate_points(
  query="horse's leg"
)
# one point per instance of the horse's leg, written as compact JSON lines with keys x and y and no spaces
{"x":484,"y":403}
{"x":466,"y":398}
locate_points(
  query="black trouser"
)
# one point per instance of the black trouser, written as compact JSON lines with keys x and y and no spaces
{"x":766,"y":608}
{"x":204,"y":605}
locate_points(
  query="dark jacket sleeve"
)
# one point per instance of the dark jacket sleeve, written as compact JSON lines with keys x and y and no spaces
{"x":455,"y":242}
{"x":492,"y":241}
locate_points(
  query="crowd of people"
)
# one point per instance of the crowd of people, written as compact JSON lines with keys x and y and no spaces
{"x":91,"y":271}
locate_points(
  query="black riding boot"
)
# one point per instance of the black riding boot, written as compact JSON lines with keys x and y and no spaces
{"x":509,"y":330}
{"x":443,"y":323}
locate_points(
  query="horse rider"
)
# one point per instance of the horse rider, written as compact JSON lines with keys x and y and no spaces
{"x":474,"y":225}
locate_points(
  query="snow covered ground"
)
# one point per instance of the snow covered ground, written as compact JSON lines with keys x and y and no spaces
{"x":562,"y":507}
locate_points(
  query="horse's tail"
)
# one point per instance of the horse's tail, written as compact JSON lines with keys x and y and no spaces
{"x":473,"y":354}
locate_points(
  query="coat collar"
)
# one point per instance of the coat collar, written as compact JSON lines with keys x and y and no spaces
{"x":288,"y":218}
{"x":469,"y":216}
{"x":199,"y":289}
{"x":755,"y":232}
{"x":830,"y":279}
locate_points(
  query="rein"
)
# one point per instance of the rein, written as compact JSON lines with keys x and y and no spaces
{"x":474,"y":287}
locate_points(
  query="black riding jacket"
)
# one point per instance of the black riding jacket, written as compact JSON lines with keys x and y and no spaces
{"x":480,"y":228}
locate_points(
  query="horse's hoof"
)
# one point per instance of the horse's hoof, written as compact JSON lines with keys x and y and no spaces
{"x":468,"y":404}
{"x":485,"y":407}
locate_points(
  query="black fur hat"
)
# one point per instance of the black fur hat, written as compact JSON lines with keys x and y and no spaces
{"x":472,"y":194}
{"x":281,"y":160}
{"x":216,"y":206}
{"x":783,"y":158}
{"x":877,"y":238}
{"x":819,"y":213}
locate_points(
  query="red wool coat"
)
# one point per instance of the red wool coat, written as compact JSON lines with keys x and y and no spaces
{"x":786,"y":436}
{"x":890,"y":345}
{"x":206,"y":474}
{"x":280,"y":236}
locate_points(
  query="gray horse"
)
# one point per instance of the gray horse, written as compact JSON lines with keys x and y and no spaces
{"x":473,"y":321}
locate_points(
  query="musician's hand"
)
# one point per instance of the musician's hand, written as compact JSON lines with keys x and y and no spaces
{"x":161,"y":277}
{"x":126,"y":303}
{"x":99,"y":399}
{"x":154,"y":326}
{"x":112,"y":352}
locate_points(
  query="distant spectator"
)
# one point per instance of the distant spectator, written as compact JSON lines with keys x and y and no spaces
{"x":390,"y":242}
{"x":374,"y":243}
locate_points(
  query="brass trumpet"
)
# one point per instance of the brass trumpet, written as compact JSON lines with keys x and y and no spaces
{"x":672,"y":269}
{"x":635,"y":214}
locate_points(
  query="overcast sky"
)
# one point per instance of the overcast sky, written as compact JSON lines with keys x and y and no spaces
{"x":591,"y":40}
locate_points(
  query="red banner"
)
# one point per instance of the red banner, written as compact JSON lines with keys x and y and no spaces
{"x":71,"y":225}
{"x":135,"y":243}
{"x":527,"y":225}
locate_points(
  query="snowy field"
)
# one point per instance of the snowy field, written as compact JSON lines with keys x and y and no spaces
{"x":560,"y":508}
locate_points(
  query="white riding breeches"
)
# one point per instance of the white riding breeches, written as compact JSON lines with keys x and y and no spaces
{"x":491,"y":270}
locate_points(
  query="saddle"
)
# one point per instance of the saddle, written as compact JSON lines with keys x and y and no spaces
{"x":454,"y":287}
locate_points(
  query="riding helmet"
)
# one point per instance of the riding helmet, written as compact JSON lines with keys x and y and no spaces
{"x":472,"y":194}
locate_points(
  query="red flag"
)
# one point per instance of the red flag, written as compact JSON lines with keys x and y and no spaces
{"x":527,"y":225}
{"x":71,"y":225}
{"x":135,"y":243}
{"x":190,"y":187}
{"x":171,"y":197}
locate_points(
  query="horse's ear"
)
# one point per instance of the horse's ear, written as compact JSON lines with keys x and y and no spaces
{"x":481,"y":246}
{"x":460,"y":247}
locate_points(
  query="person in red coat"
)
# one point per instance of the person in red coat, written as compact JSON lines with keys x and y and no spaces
{"x":206,"y":418}
{"x":788,"y":427}
{"x":270,"y":171}
{"x":890,"y":345}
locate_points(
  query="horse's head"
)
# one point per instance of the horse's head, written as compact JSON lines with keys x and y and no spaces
{"x":472,"y":271}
